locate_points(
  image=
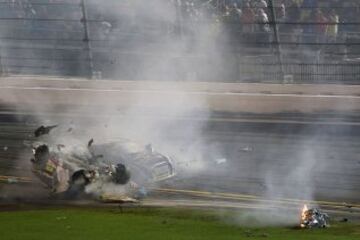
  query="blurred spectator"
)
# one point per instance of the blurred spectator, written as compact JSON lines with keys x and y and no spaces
{"x":332,"y":28}
{"x":309,"y":28}
{"x":291,"y":26}
{"x":306,"y":9}
{"x":281,"y":12}
{"x":261,"y":4}
{"x":105,"y":29}
{"x":263,"y":20}
{"x":350,"y":15}
{"x":233,"y":13}
{"x":321,"y":25}
{"x":247,"y":18}
{"x":294,"y":12}
{"x":298,"y":19}
{"x":263,"y":27}
{"x":236,"y":11}
{"x":281,"y":18}
{"x":311,"y":4}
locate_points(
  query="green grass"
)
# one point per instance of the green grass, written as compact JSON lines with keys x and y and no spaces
{"x":143,"y":223}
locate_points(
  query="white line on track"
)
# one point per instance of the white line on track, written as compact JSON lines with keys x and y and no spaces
{"x":186,"y":92}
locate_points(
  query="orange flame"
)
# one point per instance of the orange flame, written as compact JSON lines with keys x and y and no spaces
{"x":305,"y":208}
{"x":303,"y":213}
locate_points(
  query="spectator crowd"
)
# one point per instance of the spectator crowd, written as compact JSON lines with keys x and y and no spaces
{"x":296,"y":20}
{"x":137,"y":24}
{"x":303,"y":21}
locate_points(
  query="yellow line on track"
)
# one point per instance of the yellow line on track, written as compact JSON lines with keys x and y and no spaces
{"x":219,"y":195}
{"x":18,"y":179}
{"x":244,"y":197}
{"x":238,"y":205}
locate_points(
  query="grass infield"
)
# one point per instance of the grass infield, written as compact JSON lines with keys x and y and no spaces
{"x":149,"y":223}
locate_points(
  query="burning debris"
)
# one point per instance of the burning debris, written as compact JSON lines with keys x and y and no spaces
{"x":313,"y":218}
{"x":42,"y":130}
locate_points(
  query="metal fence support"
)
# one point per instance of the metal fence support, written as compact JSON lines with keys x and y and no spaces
{"x":179,"y":19}
{"x":1,"y":66}
{"x":277,"y":39}
{"x":86,"y":39}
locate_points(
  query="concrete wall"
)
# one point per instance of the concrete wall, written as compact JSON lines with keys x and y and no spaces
{"x":225,"y":97}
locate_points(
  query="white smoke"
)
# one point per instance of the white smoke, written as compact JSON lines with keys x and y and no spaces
{"x":166,"y":114}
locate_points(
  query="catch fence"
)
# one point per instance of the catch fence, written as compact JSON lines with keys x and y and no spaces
{"x":183,"y":40}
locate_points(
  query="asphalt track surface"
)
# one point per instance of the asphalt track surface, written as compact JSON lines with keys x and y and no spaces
{"x":263,"y":162}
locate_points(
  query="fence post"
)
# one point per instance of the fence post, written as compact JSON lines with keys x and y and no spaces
{"x":277,"y":39}
{"x":3,"y":70}
{"x":86,"y":39}
{"x":1,"y":66}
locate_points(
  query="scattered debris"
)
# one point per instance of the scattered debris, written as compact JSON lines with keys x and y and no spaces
{"x":262,"y":186}
{"x":221,"y":161}
{"x":70,"y":129}
{"x":27,"y":143}
{"x":248,"y":233}
{"x":96,"y":157}
{"x":90,"y":142}
{"x":347,"y":205}
{"x":60,"y":146}
{"x":141,"y":193}
{"x":313,"y":218}
{"x":344,"y":220}
{"x":106,"y":28}
{"x":43,"y":130}
{"x":12,"y":180}
{"x":116,"y":198}
{"x":149,"y":148}
{"x":246,"y":149}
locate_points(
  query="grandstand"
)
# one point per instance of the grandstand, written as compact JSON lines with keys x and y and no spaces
{"x":273,"y":41}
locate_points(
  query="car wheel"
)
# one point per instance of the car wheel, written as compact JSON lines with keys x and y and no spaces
{"x":77,"y":184}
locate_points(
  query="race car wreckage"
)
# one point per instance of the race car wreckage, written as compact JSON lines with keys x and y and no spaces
{"x":313,"y":218}
{"x":119,"y":168}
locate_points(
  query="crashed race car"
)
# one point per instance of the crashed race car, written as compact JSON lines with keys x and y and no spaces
{"x":69,"y":172}
{"x":313,"y":218}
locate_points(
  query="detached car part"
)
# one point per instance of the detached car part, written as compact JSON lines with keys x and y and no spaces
{"x":314,"y":218}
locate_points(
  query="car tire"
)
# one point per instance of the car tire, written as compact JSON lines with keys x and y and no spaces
{"x":77,"y":184}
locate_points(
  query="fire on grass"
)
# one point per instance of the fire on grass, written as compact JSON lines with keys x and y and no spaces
{"x":313,"y":218}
